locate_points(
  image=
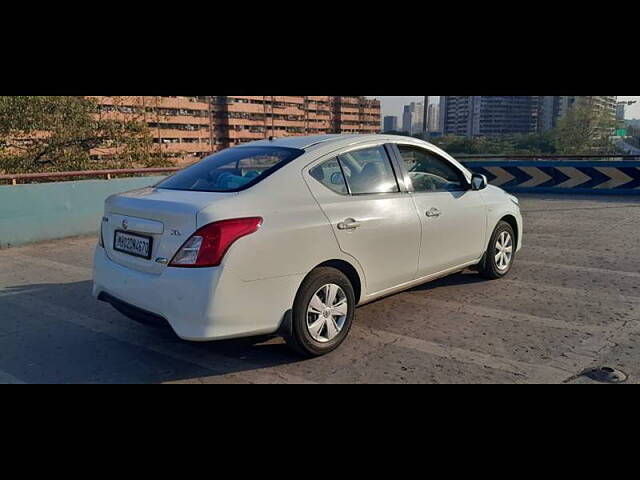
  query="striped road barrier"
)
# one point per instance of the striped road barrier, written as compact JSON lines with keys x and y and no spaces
{"x":617,"y":177}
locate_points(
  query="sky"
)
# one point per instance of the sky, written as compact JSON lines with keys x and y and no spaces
{"x":394,"y":105}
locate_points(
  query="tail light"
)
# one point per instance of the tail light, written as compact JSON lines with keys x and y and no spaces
{"x":207,"y":247}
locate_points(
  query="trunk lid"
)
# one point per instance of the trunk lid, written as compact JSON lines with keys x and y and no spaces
{"x":167,"y":217}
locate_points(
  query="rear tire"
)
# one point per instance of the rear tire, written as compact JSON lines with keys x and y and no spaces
{"x":322,"y":313}
{"x":498,"y":258}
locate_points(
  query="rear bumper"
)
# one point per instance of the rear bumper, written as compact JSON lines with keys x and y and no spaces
{"x":132,"y":311}
{"x":199,"y":304}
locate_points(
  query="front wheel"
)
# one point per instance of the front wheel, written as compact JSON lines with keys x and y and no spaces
{"x":322,"y":312}
{"x":498,"y":258}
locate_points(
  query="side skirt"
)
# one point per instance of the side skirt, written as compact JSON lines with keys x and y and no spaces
{"x":413,"y":283}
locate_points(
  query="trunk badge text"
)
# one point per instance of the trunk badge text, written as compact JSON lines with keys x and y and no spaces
{"x":176,"y":233}
{"x":125,"y":225}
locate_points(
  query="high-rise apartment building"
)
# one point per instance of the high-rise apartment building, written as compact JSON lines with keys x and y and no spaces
{"x":390,"y":123}
{"x":456,"y":115}
{"x":495,"y":116}
{"x":239,"y":120}
{"x":355,"y":115}
{"x":490,"y":116}
{"x":188,"y":128}
{"x":553,"y":108}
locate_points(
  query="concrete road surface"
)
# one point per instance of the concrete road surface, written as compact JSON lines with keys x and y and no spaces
{"x":572,"y":301}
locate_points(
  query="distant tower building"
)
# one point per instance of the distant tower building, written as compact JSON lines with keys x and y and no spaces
{"x":412,"y":118}
{"x":390,"y":123}
{"x":485,"y":116}
{"x":418,"y":119}
{"x":443,"y":109}
{"x":434,"y":118}
{"x":620,"y":111}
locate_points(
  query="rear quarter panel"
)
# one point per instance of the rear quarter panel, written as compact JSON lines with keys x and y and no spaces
{"x":295,"y":235}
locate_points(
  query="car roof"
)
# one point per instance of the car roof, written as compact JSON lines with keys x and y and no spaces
{"x":325,"y":144}
{"x":302,"y":143}
{"x":309,"y":143}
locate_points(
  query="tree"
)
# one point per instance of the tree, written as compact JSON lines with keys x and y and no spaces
{"x":64,"y":133}
{"x":474,"y":146}
{"x":533,"y":143}
{"x":583,"y":130}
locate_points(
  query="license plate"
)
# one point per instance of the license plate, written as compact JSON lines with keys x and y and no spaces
{"x":136,"y":245}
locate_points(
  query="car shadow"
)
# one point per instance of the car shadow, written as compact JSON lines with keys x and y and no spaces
{"x":463,"y":278}
{"x":58,"y":333}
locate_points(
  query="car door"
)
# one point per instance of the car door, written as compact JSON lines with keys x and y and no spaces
{"x":372,"y":214}
{"x":453,"y":216}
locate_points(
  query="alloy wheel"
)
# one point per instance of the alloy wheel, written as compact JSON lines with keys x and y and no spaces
{"x":327,"y":313}
{"x":504,"y":251}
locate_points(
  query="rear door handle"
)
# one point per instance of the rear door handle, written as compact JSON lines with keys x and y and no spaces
{"x":349,"y":224}
{"x":433,"y":212}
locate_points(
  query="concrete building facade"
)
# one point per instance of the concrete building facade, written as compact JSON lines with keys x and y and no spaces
{"x":239,"y":120}
{"x":187,"y":128}
{"x":180,"y":126}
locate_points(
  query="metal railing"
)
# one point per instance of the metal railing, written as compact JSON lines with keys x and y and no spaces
{"x":590,"y":156}
{"x":14,"y":178}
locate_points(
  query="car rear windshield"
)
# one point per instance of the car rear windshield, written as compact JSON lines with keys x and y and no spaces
{"x":231,"y":170}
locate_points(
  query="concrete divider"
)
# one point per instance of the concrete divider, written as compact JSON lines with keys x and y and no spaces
{"x":601,"y":177}
{"x":33,"y":213}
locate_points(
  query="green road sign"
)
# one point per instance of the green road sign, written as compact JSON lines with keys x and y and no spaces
{"x":621,"y":132}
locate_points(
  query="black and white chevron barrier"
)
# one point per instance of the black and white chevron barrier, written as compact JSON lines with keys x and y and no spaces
{"x":614,"y":177}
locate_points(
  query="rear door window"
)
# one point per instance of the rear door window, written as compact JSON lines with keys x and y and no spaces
{"x":231,"y":170}
{"x":369,"y":171}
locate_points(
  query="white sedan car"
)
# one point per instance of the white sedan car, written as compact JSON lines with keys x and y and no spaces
{"x":287,"y":236}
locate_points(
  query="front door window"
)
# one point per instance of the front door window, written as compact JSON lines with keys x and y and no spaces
{"x":430,"y":173}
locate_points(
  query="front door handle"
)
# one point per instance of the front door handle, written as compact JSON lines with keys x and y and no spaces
{"x":349,"y":224}
{"x":433,"y":212}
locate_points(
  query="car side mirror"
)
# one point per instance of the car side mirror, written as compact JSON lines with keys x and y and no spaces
{"x":478,"y":181}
